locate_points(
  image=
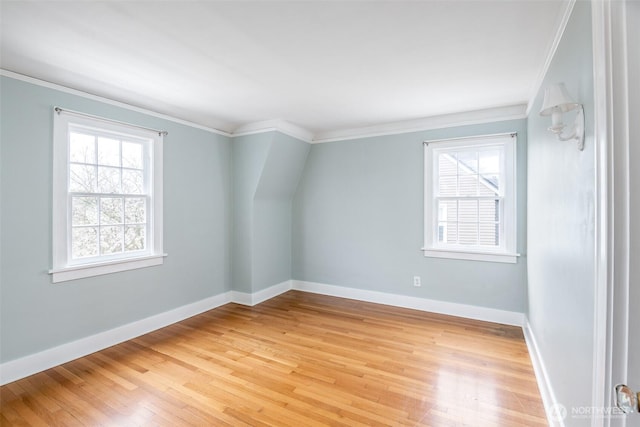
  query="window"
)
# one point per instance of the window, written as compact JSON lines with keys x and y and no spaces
{"x":470,"y":198}
{"x":107,"y":196}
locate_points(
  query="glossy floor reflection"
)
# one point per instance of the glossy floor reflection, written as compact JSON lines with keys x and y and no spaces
{"x":299,"y":359}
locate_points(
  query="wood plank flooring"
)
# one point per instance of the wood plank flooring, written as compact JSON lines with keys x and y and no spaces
{"x":299,"y":360}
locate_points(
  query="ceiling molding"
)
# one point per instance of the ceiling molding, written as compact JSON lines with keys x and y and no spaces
{"x":560,"y":27}
{"x":510,"y":112}
{"x":86,"y":95}
{"x":435,"y":122}
{"x":279,"y":125}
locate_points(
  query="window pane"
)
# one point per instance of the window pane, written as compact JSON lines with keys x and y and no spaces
{"x":442,"y":227}
{"x":448,"y":210}
{"x":84,"y":242}
{"x":489,"y":185}
{"x":134,"y":238}
{"x":132,"y":182}
{"x":489,"y":161}
{"x":82,"y":178}
{"x":135,"y":211}
{"x":82,"y":148}
{"x":84,"y":211}
{"x":447,"y":186}
{"x":448,"y":232}
{"x":108,"y":180}
{"x":111,"y":239}
{"x":468,"y":185}
{"x":468,"y":211}
{"x":468,"y":162}
{"x":108,"y":152}
{"x":468,"y":233}
{"x":489,"y":234}
{"x":111,"y":210}
{"x":447,"y":164}
{"x":489,"y":210}
{"x":132,"y":155}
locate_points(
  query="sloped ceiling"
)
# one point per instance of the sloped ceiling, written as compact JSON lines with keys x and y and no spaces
{"x":324,"y":66}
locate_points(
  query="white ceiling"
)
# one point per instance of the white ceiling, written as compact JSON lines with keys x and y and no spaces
{"x":324,"y":66}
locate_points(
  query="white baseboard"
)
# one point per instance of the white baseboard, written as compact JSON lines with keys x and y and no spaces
{"x":260,"y":296}
{"x":19,"y":368}
{"x":37,"y":362}
{"x":434,"y":306}
{"x":551,"y":406}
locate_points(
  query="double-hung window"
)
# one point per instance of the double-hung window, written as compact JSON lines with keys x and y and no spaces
{"x":470,"y":198}
{"x":107,"y":196}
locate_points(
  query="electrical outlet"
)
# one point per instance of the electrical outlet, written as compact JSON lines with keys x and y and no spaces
{"x":416,"y":281}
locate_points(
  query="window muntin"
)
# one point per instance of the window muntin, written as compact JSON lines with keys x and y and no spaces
{"x":107,"y":196}
{"x":470,"y":196}
{"x":109,"y":183}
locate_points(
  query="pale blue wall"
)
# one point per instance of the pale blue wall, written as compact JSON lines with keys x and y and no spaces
{"x":249,"y":156}
{"x":561,"y":227}
{"x":267,"y":168}
{"x":36,"y":314}
{"x":358,"y":222}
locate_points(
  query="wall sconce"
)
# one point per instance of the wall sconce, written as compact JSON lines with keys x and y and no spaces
{"x":557,"y":102}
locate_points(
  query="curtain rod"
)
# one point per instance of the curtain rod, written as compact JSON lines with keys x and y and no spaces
{"x":494,"y":135}
{"x":77,"y":113}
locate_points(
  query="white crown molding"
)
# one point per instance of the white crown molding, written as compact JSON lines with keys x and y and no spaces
{"x":551,"y":404}
{"x":434,"y":122}
{"x":560,"y":27}
{"x":510,"y":112}
{"x":279,"y":125}
{"x":86,"y":95}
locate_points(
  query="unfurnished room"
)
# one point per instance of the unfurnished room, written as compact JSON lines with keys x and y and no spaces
{"x":319,"y":213}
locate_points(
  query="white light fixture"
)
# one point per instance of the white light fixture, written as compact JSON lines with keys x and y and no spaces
{"x":557,"y":102}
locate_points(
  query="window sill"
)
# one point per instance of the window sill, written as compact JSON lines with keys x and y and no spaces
{"x":509,"y":258}
{"x":89,"y":270}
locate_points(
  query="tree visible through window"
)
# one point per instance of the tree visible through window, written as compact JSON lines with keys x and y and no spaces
{"x":107,"y":181}
{"x":107,"y":196}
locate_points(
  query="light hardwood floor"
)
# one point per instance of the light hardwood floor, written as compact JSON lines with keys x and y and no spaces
{"x":300,"y":360}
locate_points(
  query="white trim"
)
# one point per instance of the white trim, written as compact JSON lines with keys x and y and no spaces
{"x":612,"y":138}
{"x":602,"y":350}
{"x":511,"y":112}
{"x":260,"y":296}
{"x":63,"y":267}
{"x":509,"y":258}
{"x":506,"y":252}
{"x":98,"y":269}
{"x":28,"y":365}
{"x":19,"y":368}
{"x":544,"y":384}
{"x":86,"y":95}
{"x":281,"y":126}
{"x":433,"y":306}
{"x":560,"y":28}
{"x":34,"y":363}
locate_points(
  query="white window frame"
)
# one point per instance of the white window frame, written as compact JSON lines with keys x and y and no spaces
{"x":64,"y":268}
{"x":506,"y":252}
